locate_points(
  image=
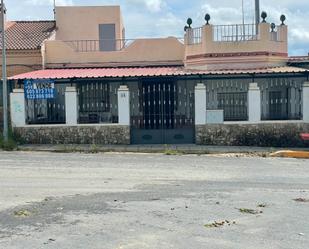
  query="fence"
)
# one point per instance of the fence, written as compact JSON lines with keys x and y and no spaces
{"x":235,"y":33}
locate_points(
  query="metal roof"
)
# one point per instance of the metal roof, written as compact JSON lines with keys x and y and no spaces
{"x":27,"y":34}
{"x":298,"y":59}
{"x":85,"y":73}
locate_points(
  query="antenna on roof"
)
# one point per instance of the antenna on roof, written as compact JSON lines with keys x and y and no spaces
{"x":54,"y":10}
{"x":257,"y":15}
{"x":243,"y":19}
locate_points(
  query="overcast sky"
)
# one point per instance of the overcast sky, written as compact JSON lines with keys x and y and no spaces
{"x":160,"y":18}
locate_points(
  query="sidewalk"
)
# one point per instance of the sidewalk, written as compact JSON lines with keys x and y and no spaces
{"x":167,"y":149}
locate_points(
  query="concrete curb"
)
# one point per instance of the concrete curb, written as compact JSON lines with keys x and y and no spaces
{"x":291,"y":154}
{"x":165,"y":149}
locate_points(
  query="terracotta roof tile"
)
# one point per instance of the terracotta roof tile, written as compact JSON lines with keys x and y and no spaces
{"x":27,"y":34}
{"x":83,"y":73}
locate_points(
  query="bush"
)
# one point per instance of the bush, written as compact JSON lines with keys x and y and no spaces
{"x":9,"y":145}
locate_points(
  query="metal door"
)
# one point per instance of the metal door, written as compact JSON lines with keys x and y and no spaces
{"x":162,"y":113}
{"x":107,"y":34}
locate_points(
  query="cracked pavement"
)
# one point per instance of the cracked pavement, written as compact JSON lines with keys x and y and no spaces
{"x":128,"y":201}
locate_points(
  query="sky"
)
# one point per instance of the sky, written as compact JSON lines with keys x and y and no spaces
{"x":162,"y":18}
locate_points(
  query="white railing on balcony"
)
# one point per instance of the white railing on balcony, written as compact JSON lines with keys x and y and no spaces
{"x":235,"y":33}
{"x":194,"y":36}
{"x":99,"y":45}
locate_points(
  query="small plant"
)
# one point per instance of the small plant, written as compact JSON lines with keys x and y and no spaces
{"x":217,"y":224}
{"x":262,"y":205}
{"x":22,"y":213}
{"x":9,"y":145}
{"x":249,"y":211}
{"x":170,"y":152}
{"x":94,"y":149}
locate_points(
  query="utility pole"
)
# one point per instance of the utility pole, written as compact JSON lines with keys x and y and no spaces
{"x":54,"y":10}
{"x":4,"y":77}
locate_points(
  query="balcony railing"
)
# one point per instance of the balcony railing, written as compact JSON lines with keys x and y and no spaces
{"x":105,"y":45}
{"x":235,"y":33}
{"x":99,"y":45}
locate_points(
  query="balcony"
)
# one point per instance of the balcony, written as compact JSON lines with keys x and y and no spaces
{"x":215,"y":47}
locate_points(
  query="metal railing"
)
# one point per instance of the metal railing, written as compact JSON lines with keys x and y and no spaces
{"x":235,"y":33}
{"x":194,"y":36}
{"x":99,"y":45}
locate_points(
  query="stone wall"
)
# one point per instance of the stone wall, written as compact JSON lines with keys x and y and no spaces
{"x":82,"y":134}
{"x":263,"y":134}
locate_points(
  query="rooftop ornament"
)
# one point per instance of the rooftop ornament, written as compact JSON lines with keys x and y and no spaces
{"x":189,"y":22}
{"x":282,"y":19}
{"x":207,"y":19}
{"x":273,"y":26}
{"x":264,"y":16}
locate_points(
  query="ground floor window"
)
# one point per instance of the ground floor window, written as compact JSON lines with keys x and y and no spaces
{"x":47,"y":111}
{"x":234,"y":105}
{"x":98,"y":102}
{"x":281,"y":99}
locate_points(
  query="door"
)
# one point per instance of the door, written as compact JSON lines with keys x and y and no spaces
{"x":165,"y":113}
{"x":107,"y":36}
{"x":275,"y":105}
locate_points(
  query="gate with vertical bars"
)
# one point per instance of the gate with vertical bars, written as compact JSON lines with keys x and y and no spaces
{"x":162,"y":112}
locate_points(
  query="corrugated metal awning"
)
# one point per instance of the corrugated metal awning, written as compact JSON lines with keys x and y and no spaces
{"x":88,"y":73}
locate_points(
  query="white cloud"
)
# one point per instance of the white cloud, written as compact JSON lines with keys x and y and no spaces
{"x":151,"y":5}
{"x":169,"y":25}
{"x":49,"y":2}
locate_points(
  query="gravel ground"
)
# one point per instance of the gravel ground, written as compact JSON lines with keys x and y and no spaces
{"x":128,"y":201}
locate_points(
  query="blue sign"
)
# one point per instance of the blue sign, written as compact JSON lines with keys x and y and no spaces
{"x":39,"y":89}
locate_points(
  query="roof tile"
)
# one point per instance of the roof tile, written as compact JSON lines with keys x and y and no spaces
{"x":83,"y":73}
{"x":27,"y":34}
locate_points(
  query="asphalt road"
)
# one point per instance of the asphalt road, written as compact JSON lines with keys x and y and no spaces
{"x":135,"y":201}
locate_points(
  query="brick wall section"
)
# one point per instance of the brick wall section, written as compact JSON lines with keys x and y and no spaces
{"x":84,"y":134}
{"x":265,"y":134}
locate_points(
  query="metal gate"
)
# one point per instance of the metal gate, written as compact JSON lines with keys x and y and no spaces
{"x":234,"y":105}
{"x":162,"y":113}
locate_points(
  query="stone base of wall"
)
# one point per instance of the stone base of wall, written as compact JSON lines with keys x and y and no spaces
{"x":263,"y":134}
{"x":83,"y":134}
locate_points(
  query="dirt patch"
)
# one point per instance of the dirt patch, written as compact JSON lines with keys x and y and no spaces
{"x":301,"y":200}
